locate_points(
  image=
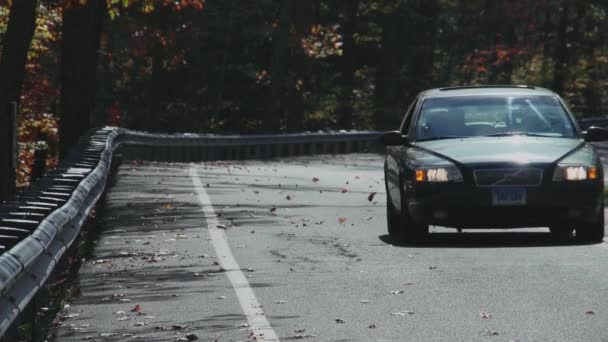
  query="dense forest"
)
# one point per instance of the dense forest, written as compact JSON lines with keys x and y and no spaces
{"x":238,"y":66}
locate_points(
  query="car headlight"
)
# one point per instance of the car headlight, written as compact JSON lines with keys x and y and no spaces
{"x":579,"y":166}
{"x":574,"y":173}
{"x":438,"y":174}
{"x":430,"y":168}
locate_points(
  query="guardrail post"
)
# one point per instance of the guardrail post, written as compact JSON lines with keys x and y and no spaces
{"x":8,"y":151}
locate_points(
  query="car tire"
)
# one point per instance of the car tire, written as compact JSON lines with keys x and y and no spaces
{"x":393,"y":220}
{"x":411,"y":231}
{"x":561,"y":232}
{"x":414,"y":232}
{"x":401,"y":226}
{"x":591,"y":232}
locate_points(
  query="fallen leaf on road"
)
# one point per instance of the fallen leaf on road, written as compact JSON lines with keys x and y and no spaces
{"x":365,"y":301}
{"x":408,"y":284}
{"x":371,"y":196}
{"x":590,"y":312}
{"x":432,"y":267}
{"x":340,"y":320}
{"x":315,"y":179}
{"x":191,"y":337}
{"x":396,"y":292}
{"x":485,"y":315}
{"x":272,"y":210}
{"x":402,"y":313}
{"x":342,"y":220}
{"x":288,"y":197}
{"x":344,"y":190}
{"x":372,"y":326}
{"x":488,"y":332}
{"x":136,"y":308}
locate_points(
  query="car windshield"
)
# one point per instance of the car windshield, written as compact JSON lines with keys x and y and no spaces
{"x":474,"y":116}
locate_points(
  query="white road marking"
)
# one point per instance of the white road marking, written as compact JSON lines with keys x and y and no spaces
{"x":247,"y":299}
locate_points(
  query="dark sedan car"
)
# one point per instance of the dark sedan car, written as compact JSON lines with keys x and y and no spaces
{"x":493,"y":157}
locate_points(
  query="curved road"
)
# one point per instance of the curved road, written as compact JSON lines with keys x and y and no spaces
{"x":296,"y":249}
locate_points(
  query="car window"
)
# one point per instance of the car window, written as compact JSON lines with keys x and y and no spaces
{"x":470,"y":116}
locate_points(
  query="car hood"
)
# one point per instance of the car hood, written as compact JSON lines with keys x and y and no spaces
{"x":512,"y":149}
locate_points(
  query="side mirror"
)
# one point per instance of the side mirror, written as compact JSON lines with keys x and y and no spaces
{"x":594,"y":133}
{"x":393,"y":138}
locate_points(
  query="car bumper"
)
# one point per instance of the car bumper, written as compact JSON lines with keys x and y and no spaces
{"x":467,"y":206}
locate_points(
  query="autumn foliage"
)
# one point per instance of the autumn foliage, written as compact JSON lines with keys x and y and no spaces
{"x":272,"y":65}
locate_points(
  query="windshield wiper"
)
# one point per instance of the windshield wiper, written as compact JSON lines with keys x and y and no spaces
{"x":508,"y":134}
{"x":443,"y":137}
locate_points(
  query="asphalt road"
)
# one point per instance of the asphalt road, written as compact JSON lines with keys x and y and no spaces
{"x":294,"y":249}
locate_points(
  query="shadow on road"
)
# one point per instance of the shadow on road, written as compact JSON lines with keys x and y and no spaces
{"x":484,"y":240}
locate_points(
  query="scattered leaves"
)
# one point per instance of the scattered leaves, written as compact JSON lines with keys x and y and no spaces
{"x":488,"y":332}
{"x":371,"y":196}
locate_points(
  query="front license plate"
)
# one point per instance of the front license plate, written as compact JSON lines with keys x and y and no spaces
{"x":508,"y":196}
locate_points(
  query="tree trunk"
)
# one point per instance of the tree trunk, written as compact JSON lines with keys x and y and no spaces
{"x":561,"y":50}
{"x":17,"y":40}
{"x":278,"y":69}
{"x":347,"y":65}
{"x":300,"y":68}
{"x":82,"y":25}
{"x":387,"y":73}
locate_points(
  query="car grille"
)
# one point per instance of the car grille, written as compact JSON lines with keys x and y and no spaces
{"x":508,"y":177}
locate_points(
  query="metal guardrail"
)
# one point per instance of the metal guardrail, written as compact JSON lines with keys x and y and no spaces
{"x":203,"y":147}
{"x":42,"y":223}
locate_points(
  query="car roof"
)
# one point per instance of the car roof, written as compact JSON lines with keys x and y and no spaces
{"x":499,"y":90}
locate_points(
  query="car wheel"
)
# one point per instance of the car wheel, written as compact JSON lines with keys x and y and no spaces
{"x":591,"y":232}
{"x":393,"y":220}
{"x":561,"y":232}
{"x":412,"y":231}
{"x":401,"y":226}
